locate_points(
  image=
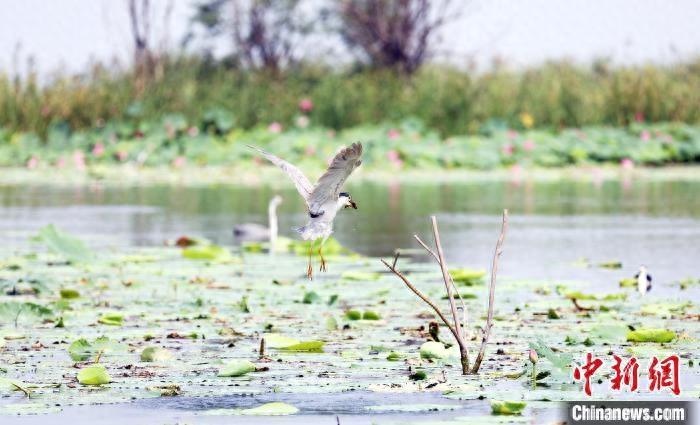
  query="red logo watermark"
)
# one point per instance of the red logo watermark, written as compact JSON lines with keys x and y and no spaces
{"x":662,"y":373}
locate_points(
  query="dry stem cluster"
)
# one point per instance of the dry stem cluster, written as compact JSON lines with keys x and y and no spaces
{"x":458,"y":328}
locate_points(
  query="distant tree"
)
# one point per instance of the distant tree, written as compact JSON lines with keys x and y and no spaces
{"x":392,"y":33}
{"x":147,"y":56}
{"x":265,"y":33}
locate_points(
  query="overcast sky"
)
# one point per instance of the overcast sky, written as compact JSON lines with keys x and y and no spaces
{"x":67,"y":34}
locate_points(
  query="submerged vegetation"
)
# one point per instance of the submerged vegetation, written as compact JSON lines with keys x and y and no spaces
{"x":155,"y":322}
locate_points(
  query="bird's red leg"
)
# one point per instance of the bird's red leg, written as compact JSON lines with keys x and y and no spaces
{"x":309,"y":270}
{"x":323,"y":261}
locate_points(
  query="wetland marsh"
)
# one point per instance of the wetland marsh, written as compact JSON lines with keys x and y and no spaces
{"x":204,"y":316}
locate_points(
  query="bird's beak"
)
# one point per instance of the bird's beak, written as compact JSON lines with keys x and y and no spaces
{"x":353,"y":204}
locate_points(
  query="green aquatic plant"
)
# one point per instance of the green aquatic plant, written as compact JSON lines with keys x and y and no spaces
{"x":93,"y":375}
{"x":370,"y":315}
{"x":499,"y":407}
{"x":15,"y":385}
{"x":561,"y":361}
{"x":172,"y":306}
{"x":83,"y":349}
{"x":65,"y":245}
{"x":15,"y":312}
{"x":112,"y":319}
{"x":156,"y":354}
{"x":275,"y":408}
{"x":209,"y":252}
{"x":651,"y":335}
{"x":69,"y":293}
{"x":236,"y":368}
{"x":353,"y":315}
{"x":468,"y":277}
{"x":286,"y":343}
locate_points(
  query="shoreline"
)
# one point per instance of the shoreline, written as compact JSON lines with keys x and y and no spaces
{"x":248,"y":175}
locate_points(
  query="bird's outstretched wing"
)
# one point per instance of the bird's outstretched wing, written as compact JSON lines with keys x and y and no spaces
{"x":328,"y":186}
{"x":303,"y":185}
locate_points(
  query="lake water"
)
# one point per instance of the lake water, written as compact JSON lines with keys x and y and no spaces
{"x":552,"y":224}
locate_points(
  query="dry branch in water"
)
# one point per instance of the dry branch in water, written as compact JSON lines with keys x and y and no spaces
{"x":492,"y":292}
{"x":457,"y":328}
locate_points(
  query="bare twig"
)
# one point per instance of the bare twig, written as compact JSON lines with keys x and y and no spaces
{"x":579,"y":307}
{"x":427,"y":248}
{"x":422,"y":296}
{"x":492,"y":291}
{"x":465,"y":321}
{"x":463,"y":348}
{"x":261,"y":351}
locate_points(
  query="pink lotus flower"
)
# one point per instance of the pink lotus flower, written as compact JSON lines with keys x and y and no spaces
{"x":193,"y":131}
{"x":309,"y":151}
{"x":179,"y":162}
{"x":627,"y":164}
{"x":395,"y":158}
{"x":302,"y":121}
{"x":507,"y":149}
{"x":512,"y":134}
{"x":98,"y":150}
{"x":79,"y":160}
{"x":60,"y":162}
{"x":393,"y":134}
{"x":121,"y":156}
{"x":639,"y":117}
{"x":32,"y":163}
{"x":645,"y":135}
{"x":529,"y":145}
{"x":275,"y":128}
{"x":306,"y":105}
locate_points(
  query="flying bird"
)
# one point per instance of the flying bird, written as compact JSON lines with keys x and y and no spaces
{"x":643,"y":280}
{"x":323,"y":200}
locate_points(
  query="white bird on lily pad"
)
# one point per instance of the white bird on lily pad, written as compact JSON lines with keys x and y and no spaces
{"x":643,"y":280}
{"x":324,"y":199}
{"x":255,"y":232}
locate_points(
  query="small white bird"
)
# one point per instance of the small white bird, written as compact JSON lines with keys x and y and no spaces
{"x":643,"y":280}
{"x":324,"y":200}
{"x":254,"y":232}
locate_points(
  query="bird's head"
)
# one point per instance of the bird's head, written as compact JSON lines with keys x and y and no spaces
{"x":276,"y":200}
{"x":349,"y":203}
